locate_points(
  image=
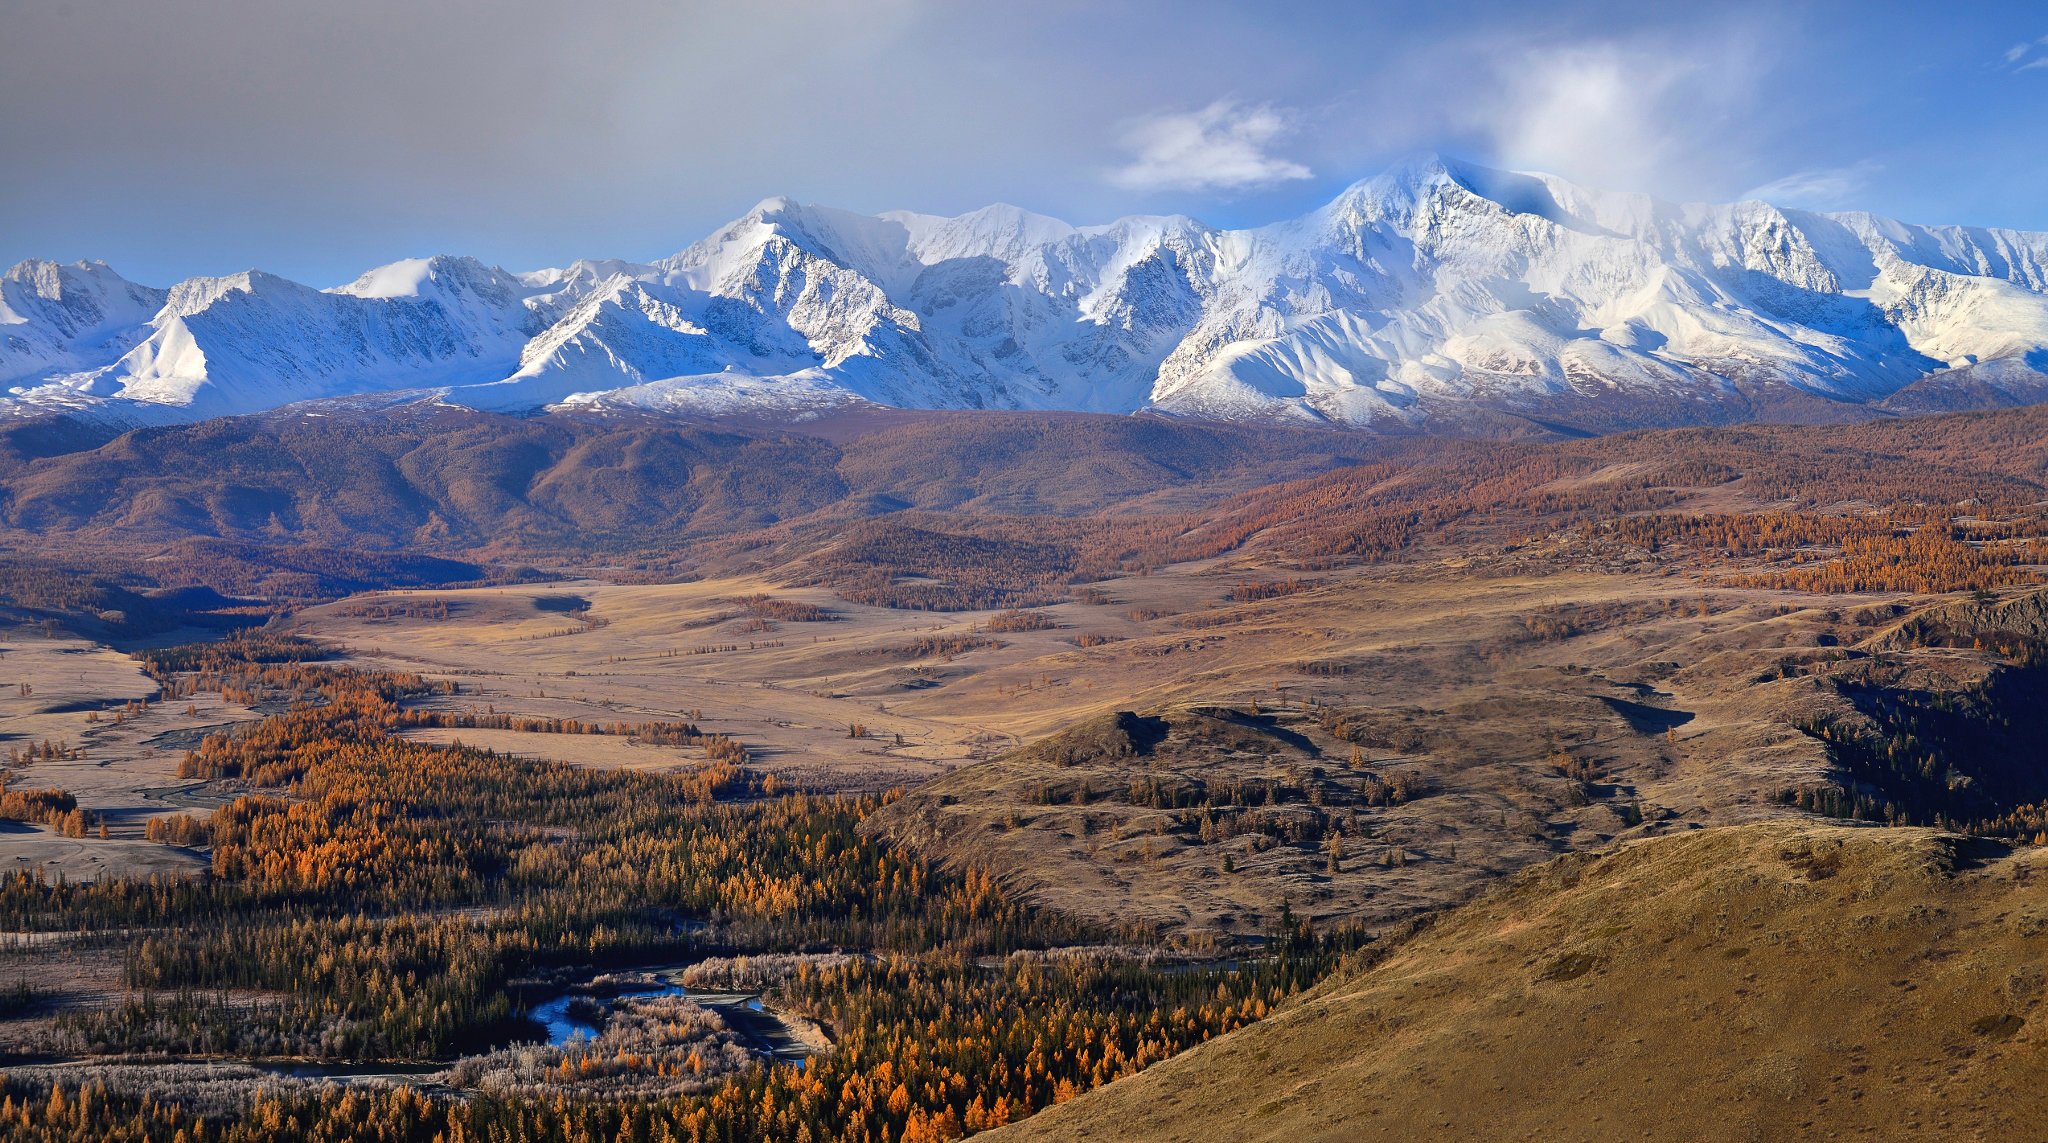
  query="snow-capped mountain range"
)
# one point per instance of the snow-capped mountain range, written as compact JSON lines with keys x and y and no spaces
{"x":1436,"y":288}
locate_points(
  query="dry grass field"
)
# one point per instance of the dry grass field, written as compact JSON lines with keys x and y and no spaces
{"x":1639,"y":704}
{"x":1524,"y":708}
{"x":126,"y":766}
{"x":1772,"y":981}
{"x":793,"y":692}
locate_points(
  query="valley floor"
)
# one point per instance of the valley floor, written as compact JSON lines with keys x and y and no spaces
{"x":1681,"y":786}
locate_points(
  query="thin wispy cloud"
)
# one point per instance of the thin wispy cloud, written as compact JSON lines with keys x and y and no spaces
{"x":1225,"y":146}
{"x":2028,"y":55}
{"x":1828,"y":188}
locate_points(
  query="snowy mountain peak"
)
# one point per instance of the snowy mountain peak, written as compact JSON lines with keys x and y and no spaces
{"x":194,"y":295}
{"x":1435,"y":290}
{"x":420,"y":277}
{"x":57,"y":318}
{"x":1000,"y":231}
{"x":1430,"y":186}
{"x":50,"y":278}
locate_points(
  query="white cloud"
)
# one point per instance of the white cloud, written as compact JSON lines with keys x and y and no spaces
{"x":1224,"y":146}
{"x":1612,"y":113}
{"x":2023,"y":49}
{"x":1819,"y":189}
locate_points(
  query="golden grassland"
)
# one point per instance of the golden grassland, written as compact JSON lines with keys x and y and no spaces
{"x":1785,"y":980}
{"x":1536,"y":704}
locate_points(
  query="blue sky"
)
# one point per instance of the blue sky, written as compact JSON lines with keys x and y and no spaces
{"x":174,"y":137}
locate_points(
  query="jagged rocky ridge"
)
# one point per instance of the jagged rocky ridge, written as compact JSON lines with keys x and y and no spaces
{"x":1434,"y":291}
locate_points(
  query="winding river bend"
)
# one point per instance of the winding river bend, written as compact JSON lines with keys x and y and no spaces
{"x":765,"y":1032}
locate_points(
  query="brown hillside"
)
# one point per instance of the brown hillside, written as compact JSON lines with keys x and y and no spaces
{"x":444,"y":479}
{"x":1768,"y":981}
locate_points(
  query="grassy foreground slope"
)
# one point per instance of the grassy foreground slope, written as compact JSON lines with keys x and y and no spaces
{"x":1767,"y":981}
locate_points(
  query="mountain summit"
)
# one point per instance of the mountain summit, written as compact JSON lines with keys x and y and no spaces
{"x":1433,"y":292}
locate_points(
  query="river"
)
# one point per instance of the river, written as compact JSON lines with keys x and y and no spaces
{"x":766,"y":1033}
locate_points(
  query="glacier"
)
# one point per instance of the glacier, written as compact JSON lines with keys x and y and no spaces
{"x":1422,"y":297}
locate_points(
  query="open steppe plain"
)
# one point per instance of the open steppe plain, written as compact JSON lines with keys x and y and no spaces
{"x":1525,"y":708}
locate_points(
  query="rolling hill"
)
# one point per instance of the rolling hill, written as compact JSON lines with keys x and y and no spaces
{"x":1775,"y":981}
